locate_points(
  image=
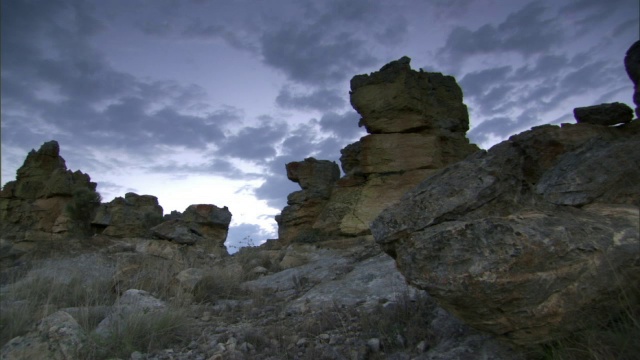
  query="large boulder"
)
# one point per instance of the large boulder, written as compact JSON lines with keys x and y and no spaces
{"x":398,"y":99}
{"x":34,"y":206}
{"x":531,"y":240}
{"x":604,"y":114}
{"x":131,"y":216}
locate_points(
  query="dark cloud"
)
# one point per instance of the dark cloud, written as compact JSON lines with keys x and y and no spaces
{"x":394,"y":33}
{"x":254,"y":143}
{"x":312,"y":56}
{"x":450,"y":8}
{"x":319,"y":99}
{"x":478,"y":82}
{"x":587,"y":13}
{"x":344,"y":126}
{"x":526,"y":32}
{"x":216,"y":166}
{"x":198,"y":30}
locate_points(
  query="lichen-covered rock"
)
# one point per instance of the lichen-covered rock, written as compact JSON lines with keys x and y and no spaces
{"x":531,"y":240}
{"x":604,"y":114}
{"x":34,"y":206}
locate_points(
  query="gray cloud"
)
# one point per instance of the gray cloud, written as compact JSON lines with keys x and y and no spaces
{"x":254,"y":143}
{"x":526,"y":32}
{"x":311,"y":56}
{"x":319,"y":99}
{"x":344,"y":126}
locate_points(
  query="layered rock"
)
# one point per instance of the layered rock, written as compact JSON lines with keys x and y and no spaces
{"x":130,"y":216}
{"x":417,"y":124}
{"x":33,"y":207}
{"x":204,"y":225}
{"x":532,"y":240}
{"x":316,"y":178}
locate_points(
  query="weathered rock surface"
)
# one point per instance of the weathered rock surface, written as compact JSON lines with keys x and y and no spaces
{"x":33,"y":207}
{"x":56,"y":337}
{"x":133,"y":302}
{"x":604,"y":114}
{"x":316,"y":178}
{"x":530,"y":240}
{"x":417,"y":124}
{"x":632,"y":65}
{"x":131,"y":216}
{"x":204,"y":225}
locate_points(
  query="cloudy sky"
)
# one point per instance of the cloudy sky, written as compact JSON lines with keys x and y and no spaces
{"x":204,"y":101}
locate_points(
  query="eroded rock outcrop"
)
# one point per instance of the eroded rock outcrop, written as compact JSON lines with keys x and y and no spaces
{"x":316,"y":178}
{"x":530,"y":240}
{"x":34,"y":206}
{"x":205,"y":225}
{"x":417,"y":124}
{"x":130,"y":216}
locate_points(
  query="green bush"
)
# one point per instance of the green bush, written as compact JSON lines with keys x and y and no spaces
{"x":82,"y":206}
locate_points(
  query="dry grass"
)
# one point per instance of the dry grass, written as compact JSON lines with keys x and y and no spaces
{"x":143,"y":332}
{"x":26,"y":302}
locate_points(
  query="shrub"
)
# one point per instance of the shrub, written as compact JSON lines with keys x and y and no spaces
{"x":82,"y":206}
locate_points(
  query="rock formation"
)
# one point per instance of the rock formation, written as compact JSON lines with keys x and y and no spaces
{"x":530,"y":240}
{"x":131,"y":216}
{"x":204,"y":225}
{"x":33,"y":207}
{"x":604,"y":114}
{"x":632,"y":65}
{"x":417,"y":124}
{"x":316,"y":178}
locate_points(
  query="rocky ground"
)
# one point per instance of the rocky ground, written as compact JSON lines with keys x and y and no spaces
{"x":338,"y":301}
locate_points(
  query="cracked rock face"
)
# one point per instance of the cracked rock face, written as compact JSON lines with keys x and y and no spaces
{"x":531,"y":240}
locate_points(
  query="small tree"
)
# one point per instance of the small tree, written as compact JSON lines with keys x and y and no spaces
{"x":82,"y":206}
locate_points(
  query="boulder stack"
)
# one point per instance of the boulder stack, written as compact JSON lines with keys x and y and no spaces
{"x":417,"y":124}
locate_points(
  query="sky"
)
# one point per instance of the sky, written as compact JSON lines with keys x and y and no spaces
{"x":205,"y":101}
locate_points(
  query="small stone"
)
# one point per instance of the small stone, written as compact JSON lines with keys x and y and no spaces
{"x":422,"y":346}
{"x":373,"y":344}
